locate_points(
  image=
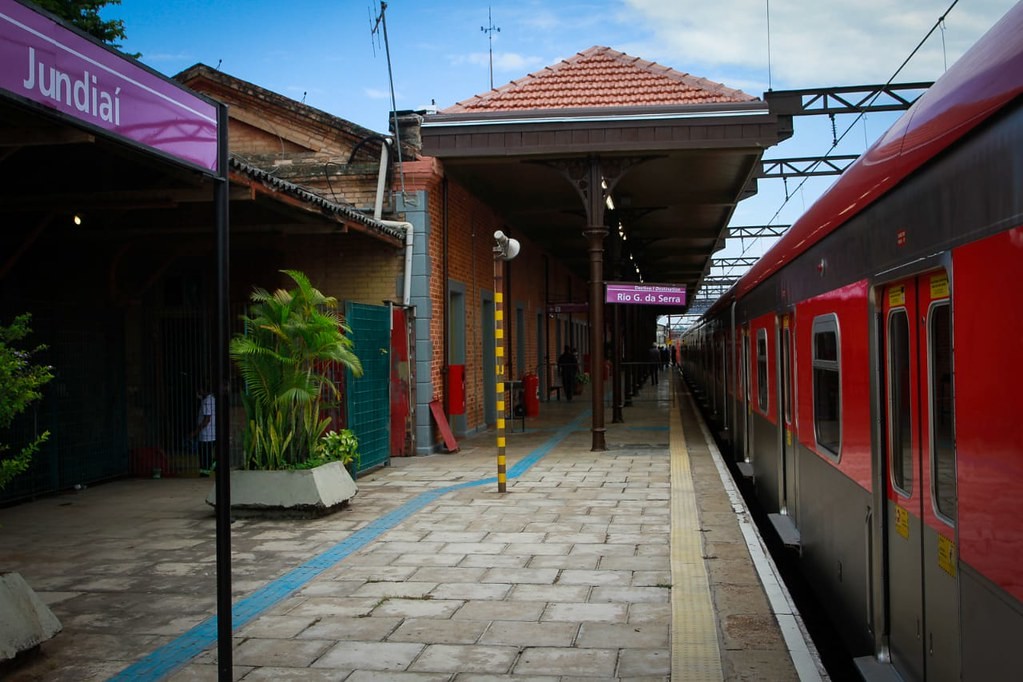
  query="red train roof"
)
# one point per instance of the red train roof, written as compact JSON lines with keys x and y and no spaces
{"x":980,"y":83}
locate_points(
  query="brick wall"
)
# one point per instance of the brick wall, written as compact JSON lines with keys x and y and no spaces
{"x":470,"y":226}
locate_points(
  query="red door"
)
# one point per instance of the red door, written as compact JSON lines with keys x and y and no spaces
{"x":920,"y":524}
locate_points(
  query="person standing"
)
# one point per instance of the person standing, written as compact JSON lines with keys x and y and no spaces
{"x":568,"y":367}
{"x":205,"y":431}
{"x":654,"y":360}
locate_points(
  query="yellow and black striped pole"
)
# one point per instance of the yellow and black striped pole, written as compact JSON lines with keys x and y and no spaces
{"x":506,"y":249}
{"x":502,"y":479}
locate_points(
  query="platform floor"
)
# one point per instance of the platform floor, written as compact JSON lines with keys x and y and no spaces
{"x":635,"y":563}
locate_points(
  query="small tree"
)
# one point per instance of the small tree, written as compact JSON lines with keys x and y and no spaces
{"x":289,"y":337}
{"x":20,"y":384}
{"x":85,"y":15}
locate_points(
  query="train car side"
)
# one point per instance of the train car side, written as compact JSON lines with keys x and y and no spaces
{"x":869,"y":371}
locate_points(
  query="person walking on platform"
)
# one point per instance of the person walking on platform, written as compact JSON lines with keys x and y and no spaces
{"x":654,"y":360}
{"x":568,"y":367}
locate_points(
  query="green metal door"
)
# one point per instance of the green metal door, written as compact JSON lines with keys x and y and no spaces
{"x":368,"y":397}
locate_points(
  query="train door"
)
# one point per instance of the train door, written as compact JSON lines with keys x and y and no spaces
{"x":922,"y":587}
{"x":745,"y":401}
{"x":786,"y":448}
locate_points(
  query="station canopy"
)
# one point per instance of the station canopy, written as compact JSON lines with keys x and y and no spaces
{"x":678,"y":153}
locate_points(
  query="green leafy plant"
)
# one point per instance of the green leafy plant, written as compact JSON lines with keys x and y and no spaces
{"x":20,"y":384}
{"x":290,"y":337}
{"x":337,"y":446}
{"x":85,"y":14}
{"x":582,"y":378}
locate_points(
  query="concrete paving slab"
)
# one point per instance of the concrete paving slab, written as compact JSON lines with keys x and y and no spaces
{"x":599,"y":663}
{"x":435,"y":631}
{"x":565,"y":576}
{"x":455,"y":658}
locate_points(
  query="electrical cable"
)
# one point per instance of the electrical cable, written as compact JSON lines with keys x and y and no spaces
{"x":939,"y":23}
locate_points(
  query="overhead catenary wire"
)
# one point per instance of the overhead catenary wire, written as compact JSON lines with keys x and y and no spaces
{"x":940,"y":23}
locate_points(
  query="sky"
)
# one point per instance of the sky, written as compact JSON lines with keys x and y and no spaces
{"x":324,"y":52}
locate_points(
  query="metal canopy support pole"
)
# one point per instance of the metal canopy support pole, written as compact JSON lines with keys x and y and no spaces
{"x":595,"y":237}
{"x":616,"y":377}
{"x":594,"y":180}
{"x":630,"y":389}
{"x":221,"y":201}
{"x":595,"y":233}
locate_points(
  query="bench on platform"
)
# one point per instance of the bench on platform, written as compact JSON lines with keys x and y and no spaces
{"x":556,"y":388}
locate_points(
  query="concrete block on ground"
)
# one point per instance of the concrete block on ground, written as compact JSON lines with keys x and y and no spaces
{"x":26,"y":621}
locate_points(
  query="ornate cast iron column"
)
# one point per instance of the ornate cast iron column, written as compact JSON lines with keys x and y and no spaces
{"x":594,"y":178}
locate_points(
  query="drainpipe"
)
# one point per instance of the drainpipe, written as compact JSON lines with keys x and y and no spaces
{"x":378,"y":209}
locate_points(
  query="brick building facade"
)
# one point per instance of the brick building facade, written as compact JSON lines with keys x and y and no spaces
{"x":452,"y":284}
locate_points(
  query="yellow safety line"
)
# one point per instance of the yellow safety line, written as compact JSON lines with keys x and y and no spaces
{"x":695,"y":654}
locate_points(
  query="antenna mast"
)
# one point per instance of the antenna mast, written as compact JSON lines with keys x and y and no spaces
{"x":490,"y":29}
{"x":381,"y":24}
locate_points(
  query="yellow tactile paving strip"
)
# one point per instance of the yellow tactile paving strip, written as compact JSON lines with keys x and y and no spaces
{"x":695,"y":654}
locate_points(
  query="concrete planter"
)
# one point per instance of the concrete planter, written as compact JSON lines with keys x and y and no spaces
{"x":305,"y":492}
{"x":26,"y":621}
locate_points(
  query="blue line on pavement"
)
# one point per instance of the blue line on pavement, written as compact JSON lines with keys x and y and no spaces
{"x":178,"y":652}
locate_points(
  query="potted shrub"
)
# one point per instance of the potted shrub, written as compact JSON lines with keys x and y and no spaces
{"x":281,"y":356}
{"x":27,"y":621}
{"x":340,"y":446}
{"x":581,"y":379}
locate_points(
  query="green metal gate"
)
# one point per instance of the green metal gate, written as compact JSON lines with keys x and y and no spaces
{"x":368,"y":397}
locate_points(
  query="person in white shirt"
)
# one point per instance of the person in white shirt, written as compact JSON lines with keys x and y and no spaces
{"x":205,"y":431}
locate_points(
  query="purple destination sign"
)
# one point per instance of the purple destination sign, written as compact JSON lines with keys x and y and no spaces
{"x":57,"y":68}
{"x":646,"y":294}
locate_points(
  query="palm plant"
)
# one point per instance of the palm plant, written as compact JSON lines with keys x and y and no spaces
{"x":290,"y":336}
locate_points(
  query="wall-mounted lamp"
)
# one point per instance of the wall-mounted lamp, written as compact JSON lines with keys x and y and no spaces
{"x":77,"y":219}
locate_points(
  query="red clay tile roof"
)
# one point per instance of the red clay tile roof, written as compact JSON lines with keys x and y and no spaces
{"x":601,"y":77}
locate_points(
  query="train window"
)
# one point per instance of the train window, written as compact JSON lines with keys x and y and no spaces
{"x":786,"y":350}
{"x":943,"y":447}
{"x":900,"y":436}
{"x":827,"y":405}
{"x":762,"y":370}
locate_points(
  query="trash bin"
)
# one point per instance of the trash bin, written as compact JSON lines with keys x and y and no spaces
{"x":531,"y":394}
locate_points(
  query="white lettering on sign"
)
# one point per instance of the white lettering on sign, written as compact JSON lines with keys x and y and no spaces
{"x":84,"y":94}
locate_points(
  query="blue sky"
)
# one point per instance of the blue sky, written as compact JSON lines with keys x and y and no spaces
{"x":323,"y":52}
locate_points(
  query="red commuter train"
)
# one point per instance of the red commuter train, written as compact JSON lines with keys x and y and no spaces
{"x":866,"y":374}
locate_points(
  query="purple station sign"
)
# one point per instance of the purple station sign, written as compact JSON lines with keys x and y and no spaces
{"x":46,"y":63}
{"x":646,"y":294}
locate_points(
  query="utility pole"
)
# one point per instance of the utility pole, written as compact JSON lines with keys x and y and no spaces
{"x":490,"y":29}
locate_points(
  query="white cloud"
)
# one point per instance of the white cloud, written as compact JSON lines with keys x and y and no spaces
{"x":158,"y":57}
{"x":376,"y":93}
{"x":813,"y":43}
{"x":517,"y":63}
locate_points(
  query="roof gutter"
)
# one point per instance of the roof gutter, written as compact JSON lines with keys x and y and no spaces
{"x":593,"y":115}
